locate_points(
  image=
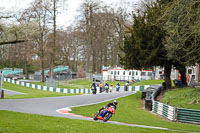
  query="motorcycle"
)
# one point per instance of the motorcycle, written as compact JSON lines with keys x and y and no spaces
{"x":107,"y":89}
{"x":105,"y":114}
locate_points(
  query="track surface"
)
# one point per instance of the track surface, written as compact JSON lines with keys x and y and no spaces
{"x":48,"y":106}
{"x":58,"y":106}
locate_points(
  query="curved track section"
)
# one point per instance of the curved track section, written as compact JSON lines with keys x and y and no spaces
{"x":56,"y":106}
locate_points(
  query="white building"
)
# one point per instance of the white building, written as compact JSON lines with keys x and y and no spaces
{"x":121,"y":74}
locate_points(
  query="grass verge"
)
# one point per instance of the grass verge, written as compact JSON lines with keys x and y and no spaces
{"x":73,"y":84}
{"x":79,"y":84}
{"x":30,"y":92}
{"x":183,"y":98}
{"x":13,"y":122}
{"x":129,"y":111}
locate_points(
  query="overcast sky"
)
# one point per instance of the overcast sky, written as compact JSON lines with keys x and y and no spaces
{"x":65,"y":18}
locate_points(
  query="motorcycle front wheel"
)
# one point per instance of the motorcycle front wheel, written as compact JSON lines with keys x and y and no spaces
{"x":107,"y":116}
{"x":95,"y":116}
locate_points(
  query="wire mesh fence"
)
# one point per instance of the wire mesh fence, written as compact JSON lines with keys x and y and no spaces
{"x":51,"y":83}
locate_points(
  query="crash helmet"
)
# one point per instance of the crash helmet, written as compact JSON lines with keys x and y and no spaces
{"x":115,"y":102}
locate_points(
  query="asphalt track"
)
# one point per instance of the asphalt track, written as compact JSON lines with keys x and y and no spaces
{"x":9,"y":92}
{"x":59,"y":106}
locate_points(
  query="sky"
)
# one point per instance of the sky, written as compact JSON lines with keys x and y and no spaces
{"x":65,"y":18}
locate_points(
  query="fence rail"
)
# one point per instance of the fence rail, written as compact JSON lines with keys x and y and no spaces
{"x":164,"y":110}
{"x":188,"y":116}
{"x":174,"y":114}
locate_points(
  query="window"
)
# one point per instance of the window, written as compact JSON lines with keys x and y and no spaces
{"x":111,"y":72}
{"x":129,"y":72}
{"x":143,"y":73}
{"x":115,"y":73}
{"x":133,"y":73}
{"x":149,"y":74}
{"x":118,"y":72}
{"x":123,"y":72}
{"x":136,"y":73}
{"x":189,"y":71}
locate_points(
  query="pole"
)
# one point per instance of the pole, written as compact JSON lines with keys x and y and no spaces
{"x":1,"y":89}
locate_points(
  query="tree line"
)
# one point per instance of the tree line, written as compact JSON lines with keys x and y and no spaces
{"x":35,"y":42}
{"x":164,"y":33}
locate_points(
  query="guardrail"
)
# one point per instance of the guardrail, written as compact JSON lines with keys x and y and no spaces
{"x":188,"y":115}
{"x":164,"y":110}
{"x":174,"y":114}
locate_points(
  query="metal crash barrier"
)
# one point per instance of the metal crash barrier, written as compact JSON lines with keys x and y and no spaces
{"x":188,"y":116}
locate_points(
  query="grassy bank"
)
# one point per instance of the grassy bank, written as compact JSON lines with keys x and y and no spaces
{"x":12,"y":122}
{"x":29,"y":92}
{"x":183,"y":98}
{"x":129,"y":111}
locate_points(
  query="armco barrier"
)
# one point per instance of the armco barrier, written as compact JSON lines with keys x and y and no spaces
{"x":188,"y":116}
{"x":45,"y":88}
{"x":138,"y":88}
{"x":164,"y":110}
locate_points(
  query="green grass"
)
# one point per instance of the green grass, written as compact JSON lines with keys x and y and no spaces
{"x":182,"y":97}
{"x":30,"y":93}
{"x":129,"y":111}
{"x":13,"y":122}
{"x":150,"y":82}
{"x":73,"y":84}
{"x":79,"y":84}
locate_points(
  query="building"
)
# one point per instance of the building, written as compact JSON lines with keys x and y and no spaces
{"x":60,"y":73}
{"x":121,"y":74}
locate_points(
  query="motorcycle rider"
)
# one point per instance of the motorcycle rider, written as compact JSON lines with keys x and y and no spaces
{"x":93,"y":87}
{"x":114,"y":104}
{"x":126,"y":86}
{"x":106,"y":87}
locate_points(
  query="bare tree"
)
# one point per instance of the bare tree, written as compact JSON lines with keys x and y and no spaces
{"x":39,"y":13}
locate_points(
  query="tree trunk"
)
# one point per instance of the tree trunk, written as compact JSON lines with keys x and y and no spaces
{"x":51,"y":69}
{"x":101,"y":62}
{"x":26,"y":70}
{"x":182,"y":70}
{"x":105,"y":56}
{"x":42,"y":65}
{"x":54,"y":41}
{"x":167,"y":75}
{"x":93,"y":61}
{"x":87,"y":64}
